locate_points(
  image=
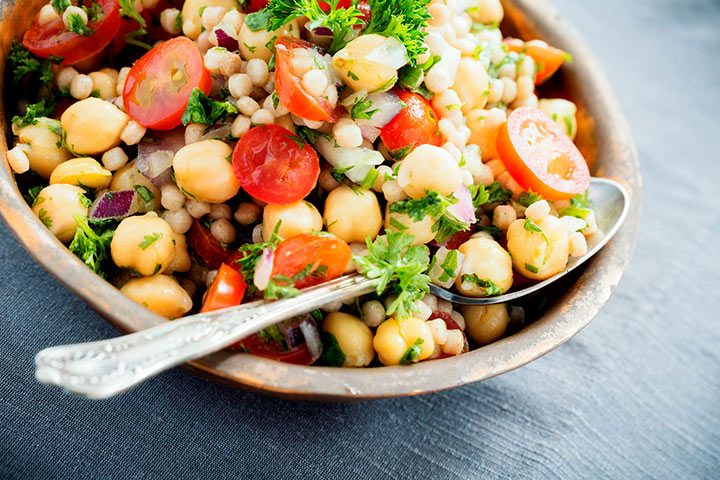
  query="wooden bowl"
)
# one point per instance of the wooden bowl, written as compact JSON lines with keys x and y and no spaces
{"x":604,"y":138}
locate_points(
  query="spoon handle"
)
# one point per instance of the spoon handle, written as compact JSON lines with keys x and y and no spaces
{"x":105,"y":368}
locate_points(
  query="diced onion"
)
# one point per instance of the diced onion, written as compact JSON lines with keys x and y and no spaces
{"x":391,"y":53}
{"x":463,"y":210}
{"x":263,"y":269}
{"x":360,"y":159}
{"x":309,"y":329}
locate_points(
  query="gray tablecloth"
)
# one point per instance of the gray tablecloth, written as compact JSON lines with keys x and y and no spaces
{"x":635,"y":395}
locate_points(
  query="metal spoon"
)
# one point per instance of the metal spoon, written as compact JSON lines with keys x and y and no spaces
{"x":104,"y":368}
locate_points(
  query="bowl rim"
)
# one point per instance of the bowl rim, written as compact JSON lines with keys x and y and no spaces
{"x":569,"y":314}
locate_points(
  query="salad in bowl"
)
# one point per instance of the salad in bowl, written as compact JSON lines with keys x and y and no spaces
{"x":204,"y":154}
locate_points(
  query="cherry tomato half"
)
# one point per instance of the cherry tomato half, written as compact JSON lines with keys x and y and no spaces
{"x":159,"y":84}
{"x":293,"y":352}
{"x":275,"y":165}
{"x":206,"y":245}
{"x":547,"y":59}
{"x":227,"y":290}
{"x":417,"y":124}
{"x":323,"y":251}
{"x":288,"y":84}
{"x":54,"y":39}
{"x":451,"y":325}
{"x":540,"y":156}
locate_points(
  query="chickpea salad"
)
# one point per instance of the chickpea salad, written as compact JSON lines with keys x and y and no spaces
{"x":206,"y":153}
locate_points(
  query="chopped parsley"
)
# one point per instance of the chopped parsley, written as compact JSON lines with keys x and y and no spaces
{"x":370,"y":179}
{"x":497,"y":193}
{"x":23,"y":62}
{"x":532,"y":227}
{"x":332,"y":355}
{"x":76,"y":24}
{"x":402,"y":19}
{"x":282,"y":286}
{"x":33,"y":194}
{"x":528,"y":198}
{"x":361,"y":109}
{"x":251,"y":254}
{"x":412,"y":354}
{"x":434,"y":205}
{"x":299,"y":141}
{"x":259,"y":20}
{"x":399,"y":268}
{"x":201,"y":109}
{"x":149,"y":240}
{"x":144,"y":193}
{"x":491,"y":289}
{"x":400,"y":153}
{"x":531,"y":268}
{"x":449,"y":266}
{"x":92,"y":245}
{"x":43,"y":214}
{"x":338,"y":173}
{"x":60,"y":5}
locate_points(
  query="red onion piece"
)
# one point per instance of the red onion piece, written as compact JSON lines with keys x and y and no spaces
{"x":312,"y":337}
{"x":320,"y":36}
{"x":369,"y":132}
{"x":463,"y":210}
{"x":263,"y":269}
{"x":155,"y":155}
{"x":114,"y":205}
{"x":225,"y":40}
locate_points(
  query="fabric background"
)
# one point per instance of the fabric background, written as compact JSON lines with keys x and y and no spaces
{"x":635,"y":395}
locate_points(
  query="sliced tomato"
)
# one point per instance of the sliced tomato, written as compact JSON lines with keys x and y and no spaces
{"x":540,"y":156}
{"x":53,"y":39}
{"x":547,"y":59}
{"x":415,"y":125}
{"x":326,"y":255}
{"x":451,"y":325}
{"x":288,"y":84}
{"x":256,"y":5}
{"x":284,"y":342}
{"x":159,"y":84}
{"x":227,"y":290}
{"x":275,"y":165}
{"x":206,"y":245}
{"x":456,"y":239}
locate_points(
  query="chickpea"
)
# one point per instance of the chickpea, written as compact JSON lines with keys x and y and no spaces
{"x":471,"y":84}
{"x":393,"y":338}
{"x":298,"y":217}
{"x":93,"y":126}
{"x":359,"y":72}
{"x":144,"y":244}
{"x":55,"y":206}
{"x":353,"y":336}
{"x":489,"y":261}
{"x":487,"y":11}
{"x":160,"y":294}
{"x":82,"y":171}
{"x":538,"y":255}
{"x":351,"y":216}
{"x":203,"y":172}
{"x":130,"y":178}
{"x":192,"y":18}
{"x":429,"y":168}
{"x":563,"y":112}
{"x":421,"y":231}
{"x":485,"y":323}
{"x":44,"y":152}
{"x":253,"y":44}
{"x":181,"y":260}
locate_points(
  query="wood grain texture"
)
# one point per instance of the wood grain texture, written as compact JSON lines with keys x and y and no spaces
{"x":635,"y":395}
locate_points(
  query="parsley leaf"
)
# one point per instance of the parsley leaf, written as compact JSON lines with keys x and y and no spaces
{"x":434,"y":205}
{"x":144,"y":193}
{"x":532,"y":227}
{"x":332,"y":355}
{"x":338,"y":173}
{"x":93,"y":247}
{"x":528,"y":198}
{"x":76,"y":24}
{"x":201,"y":109}
{"x":149,"y":240}
{"x":412,"y":354}
{"x":60,"y":5}
{"x":24,"y":62}
{"x":497,"y":193}
{"x":402,"y":19}
{"x":361,"y":109}
{"x":251,"y":253}
{"x":491,"y":289}
{"x":399,"y":267}
{"x":282,"y":286}
{"x":259,"y":20}
{"x":127,"y":9}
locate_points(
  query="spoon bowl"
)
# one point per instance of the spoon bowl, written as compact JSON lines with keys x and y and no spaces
{"x":610,"y":202}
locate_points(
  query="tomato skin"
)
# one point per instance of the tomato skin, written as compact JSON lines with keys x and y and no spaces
{"x":227,"y":290}
{"x":272,"y":167}
{"x":299,"y":251}
{"x":207,"y":246}
{"x":256,"y":5}
{"x":415,"y":125}
{"x":524,"y":142}
{"x":451,"y":325}
{"x":289,"y":86}
{"x":146,"y":97}
{"x":549,"y":58}
{"x":255,"y":345}
{"x":53,"y":39}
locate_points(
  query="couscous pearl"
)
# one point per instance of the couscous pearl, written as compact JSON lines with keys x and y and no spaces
{"x":211,"y":16}
{"x":193,"y":132}
{"x":132,"y":133}
{"x":347,"y":133}
{"x":496,"y":91}
{"x":234,"y":19}
{"x":578,"y":244}
{"x":257,"y":70}
{"x":393,"y":192}
{"x":437,"y":80}
{"x":171,"y":197}
{"x":168,"y":20}
{"x":247,"y":105}
{"x":327,"y":181}
{"x":439,"y":15}
{"x":18,"y":160}
{"x":220,"y":210}
{"x":240,"y":85}
{"x":114,"y":159}
{"x":314,"y":82}
{"x":240,"y":126}
{"x":247,"y":213}
{"x":196,"y":208}
{"x":509,"y":90}
{"x":223,"y":231}
{"x":81,"y":87}
{"x":210,"y":278}
{"x":179,"y":220}
{"x":47,"y":14}
{"x":503,"y":216}
{"x":257,"y":236}
{"x":374,"y":313}
{"x":262,"y":117}
{"x":525,"y":87}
